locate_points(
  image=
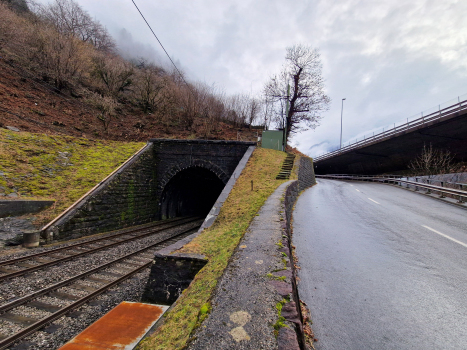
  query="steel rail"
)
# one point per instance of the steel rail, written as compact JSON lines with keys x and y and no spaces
{"x":33,"y":295}
{"x":39,"y":324}
{"x":71,"y":246}
{"x":94,"y":250}
{"x":461,"y":185}
{"x":409,"y":126}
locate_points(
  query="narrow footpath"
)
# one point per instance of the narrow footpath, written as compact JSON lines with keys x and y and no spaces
{"x":244,"y":306}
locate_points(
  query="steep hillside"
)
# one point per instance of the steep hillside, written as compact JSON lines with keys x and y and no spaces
{"x":30,"y":104}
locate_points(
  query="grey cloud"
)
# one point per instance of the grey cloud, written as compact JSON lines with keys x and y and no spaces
{"x":390,"y":59}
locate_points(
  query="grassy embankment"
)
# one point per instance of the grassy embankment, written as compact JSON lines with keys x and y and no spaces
{"x":62,"y":168}
{"x":217,"y":243}
{"x":34,"y":168}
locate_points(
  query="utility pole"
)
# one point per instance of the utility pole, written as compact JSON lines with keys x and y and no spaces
{"x":286,"y":116}
{"x":342,"y":110}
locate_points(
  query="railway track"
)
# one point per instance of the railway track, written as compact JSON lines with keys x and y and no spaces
{"x":31,"y":312}
{"x":27,"y":264}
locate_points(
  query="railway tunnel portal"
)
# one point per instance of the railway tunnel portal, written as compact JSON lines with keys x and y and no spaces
{"x":191,"y":192}
{"x":165,"y":179}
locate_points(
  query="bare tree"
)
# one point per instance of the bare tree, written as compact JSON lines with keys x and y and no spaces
{"x":68,"y":17}
{"x":242,"y":109}
{"x":212,"y":112}
{"x":168,"y":109}
{"x":306,"y":97}
{"x":106,"y":106}
{"x":113,"y":74}
{"x":266,"y":109}
{"x":193,"y":98}
{"x":254,"y":107}
{"x":59,"y":56}
{"x":100,"y":38}
{"x":8,"y":22}
{"x":149,"y":82}
{"x":432,"y":161}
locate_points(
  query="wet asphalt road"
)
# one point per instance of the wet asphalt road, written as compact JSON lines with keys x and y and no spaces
{"x":374,"y":272}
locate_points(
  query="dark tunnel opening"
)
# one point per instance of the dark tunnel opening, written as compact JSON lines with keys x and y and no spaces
{"x":191,"y":192}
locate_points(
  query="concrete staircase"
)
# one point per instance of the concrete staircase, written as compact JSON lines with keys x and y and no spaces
{"x":287,"y":166}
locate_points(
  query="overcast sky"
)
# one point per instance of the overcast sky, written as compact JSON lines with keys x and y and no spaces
{"x":390,"y":59}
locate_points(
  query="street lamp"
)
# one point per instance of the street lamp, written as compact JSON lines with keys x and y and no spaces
{"x":342,"y":110}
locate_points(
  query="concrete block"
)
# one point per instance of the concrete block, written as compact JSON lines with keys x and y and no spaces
{"x":21,"y":207}
{"x":170,"y":275}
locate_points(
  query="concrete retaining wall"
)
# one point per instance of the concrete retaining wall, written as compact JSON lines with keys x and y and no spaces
{"x":170,"y":276}
{"x":20,"y":207}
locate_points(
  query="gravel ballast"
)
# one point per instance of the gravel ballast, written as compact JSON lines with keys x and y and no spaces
{"x":66,"y":327}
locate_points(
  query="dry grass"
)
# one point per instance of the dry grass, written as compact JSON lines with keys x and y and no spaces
{"x":218,"y":243}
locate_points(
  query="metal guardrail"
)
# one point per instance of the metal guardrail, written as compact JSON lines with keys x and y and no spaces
{"x":405,"y":127}
{"x":422,"y":179}
{"x":460,"y":185}
{"x":399,"y":180}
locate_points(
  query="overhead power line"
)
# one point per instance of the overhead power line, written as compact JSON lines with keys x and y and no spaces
{"x":163,"y":48}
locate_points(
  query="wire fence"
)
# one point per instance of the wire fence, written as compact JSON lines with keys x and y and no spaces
{"x":440,"y":111}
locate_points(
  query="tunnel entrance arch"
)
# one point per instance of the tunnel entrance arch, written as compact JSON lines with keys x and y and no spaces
{"x":190,"y":192}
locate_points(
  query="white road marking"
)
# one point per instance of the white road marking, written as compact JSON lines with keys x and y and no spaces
{"x":351,"y":185}
{"x":357,"y":190}
{"x":445,"y":236}
{"x":373,"y":200}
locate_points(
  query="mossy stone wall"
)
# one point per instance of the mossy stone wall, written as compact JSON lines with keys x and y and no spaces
{"x":126,"y":199}
{"x":132,"y":195}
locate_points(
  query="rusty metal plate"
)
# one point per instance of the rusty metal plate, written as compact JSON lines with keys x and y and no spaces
{"x":120,"y":329}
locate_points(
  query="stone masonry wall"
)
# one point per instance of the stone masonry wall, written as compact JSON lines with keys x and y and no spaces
{"x":306,"y":178}
{"x":173,"y":156}
{"x":132,"y":195}
{"x":126,"y":199}
{"x":306,"y":173}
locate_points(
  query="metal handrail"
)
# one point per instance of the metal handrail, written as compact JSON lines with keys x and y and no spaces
{"x":410,"y":125}
{"x":378,"y":178}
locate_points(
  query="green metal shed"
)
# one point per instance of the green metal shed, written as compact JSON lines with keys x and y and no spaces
{"x":273,"y":139}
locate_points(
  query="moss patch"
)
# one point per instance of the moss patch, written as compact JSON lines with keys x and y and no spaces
{"x":217,"y":243}
{"x":62,"y":168}
{"x":280,"y":323}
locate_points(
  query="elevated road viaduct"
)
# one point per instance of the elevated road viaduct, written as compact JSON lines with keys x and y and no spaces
{"x":392,"y":150}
